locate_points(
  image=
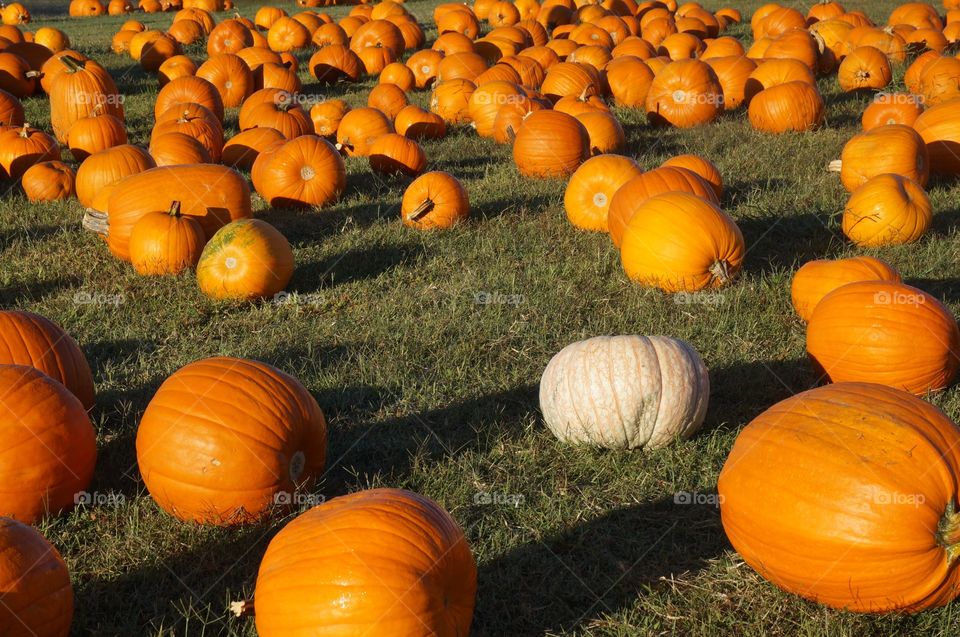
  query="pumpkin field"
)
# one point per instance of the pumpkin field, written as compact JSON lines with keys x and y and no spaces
{"x":505,"y":318}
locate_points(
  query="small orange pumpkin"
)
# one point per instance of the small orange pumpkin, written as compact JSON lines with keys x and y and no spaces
{"x":306,"y":171}
{"x":592,"y":187}
{"x":165,"y":242}
{"x":434,"y":200}
{"x":815,"y":279}
{"x":550,"y":144}
{"x":245,"y":260}
{"x":48,"y":181}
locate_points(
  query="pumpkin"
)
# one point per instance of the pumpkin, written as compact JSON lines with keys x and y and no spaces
{"x":939,"y":126}
{"x":387,"y":98}
{"x":165,"y":242}
{"x":570,"y":79}
{"x":893,"y":149}
{"x":36,"y":598}
{"x":48,"y":181}
{"x":230,"y":75}
{"x":815,"y":279}
{"x":398,"y":74}
{"x":174,"y":149}
{"x":592,"y":187}
{"x":864,"y":68}
{"x":326,"y":116}
{"x":335,"y":62}
{"x":863,"y":478}
{"x":937,"y":81}
{"x":11,"y":110}
{"x":16,"y":76}
{"x":625,"y":392}
{"x":186,"y":32}
{"x":213,"y":194}
{"x":158,"y":51}
{"x":107,"y":168}
{"x":34,"y":341}
{"x":434,"y":200}
{"x":625,"y":200}
{"x":887,"y":210}
{"x":630,"y":80}
{"x":416,"y":123}
{"x":285,"y":115}
{"x":189,"y":90}
{"x":733,"y":73}
{"x":21,"y":148}
{"x":224,"y":438}
{"x":287,"y":34}
{"x":51,"y":447}
{"x":424,"y":65}
{"x":712,"y":245}
{"x":15,"y":13}
{"x":330,"y":33}
{"x":359,"y":128}
{"x":80,"y":87}
{"x":195,"y":121}
{"x":911,"y":78}
{"x":892,"y":108}
{"x":306,"y":171}
{"x":392,"y":153}
{"x":451,"y":99}
{"x":702,"y":167}
{"x":685,"y":93}
{"x":245,"y":260}
{"x":550,"y":144}
{"x":794,"y":106}
{"x":405,"y":551}
{"x":603,"y":131}
{"x":228,"y":37}
{"x":176,"y":67}
{"x":914,"y":343}
{"x":243,"y":148}
{"x":94,"y":133}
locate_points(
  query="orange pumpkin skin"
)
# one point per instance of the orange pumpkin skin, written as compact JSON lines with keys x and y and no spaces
{"x":684,"y":94}
{"x":416,"y":123}
{"x":712,"y":252}
{"x":36,"y":598}
{"x":592,"y":187}
{"x":107,"y":168}
{"x":733,"y":73}
{"x":21,"y":148}
{"x":243,"y":148}
{"x":913,"y":339}
{"x":51,"y":448}
{"x":225,"y":439}
{"x":434,"y":200}
{"x":892,"y":108}
{"x":815,"y":279}
{"x":395,"y":154}
{"x":892,"y":149}
{"x":794,"y":106}
{"x":306,"y":171}
{"x":702,"y":167}
{"x":32,"y":340}
{"x":245,"y":260}
{"x":939,"y":126}
{"x":165,"y":242}
{"x":48,"y":181}
{"x":864,"y":68}
{"x":864,"y":477}
{"x":176,"y":149}
{"x":359,"y":128}
{"x":887,"y":210}
{"x":550,"y":144}
{"x":405,"y":552}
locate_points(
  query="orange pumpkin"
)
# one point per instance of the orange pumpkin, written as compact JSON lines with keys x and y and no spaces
{"x":224,"y":440}
{"x":243,"y":148}
{"x":685,"y":93}
{"x":892,"y":149}
{"x":51,"y":446}
{"x":48,"y":181}
{"x":592,"y":187}
{"x":189,"y":90}
{"x":815,"y":279}
{"x":938,"y":81}
{"x":712,"y":246}
{"x":79,"y":87}
{"x":603,"y":131}
{"x":94,"y":133}
{"x":11,"y":110}
{"x":391,"y":153}
{"x":195,"y":121}
{"x":230,"y":75}
{"x":108,"y":167}
{"x":245,"y":260}
{"x":864,"y":68}
{"x":402,"y":548}
{"x":891,"y":108}
{"x":887,"y":210}
{"x":333,"y":63}
{"x":939,"y":126}
{"x":416,"y":123}
{"x":165,"y":242}
{"x":359,"y":128}
{"x":327,"y":115}
{"x":174,"y":149}
{"x":306,"y":171}
{"x":733,"y":73}
{"x":794,"y":106}
{"x":21,"y":148}
{"x":914,"y":342}
{"x":817,"y":469}
{"x":630,"y":80}
{"x":550,"y":144}
{"x":451,"y":100}
{"x":387,"y":98}
{"x":434,"y":200}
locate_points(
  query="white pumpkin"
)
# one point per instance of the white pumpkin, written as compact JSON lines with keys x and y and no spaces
{"x":625,"y":392}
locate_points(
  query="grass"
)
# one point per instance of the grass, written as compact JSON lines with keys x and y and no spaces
{"x":429,"y":390}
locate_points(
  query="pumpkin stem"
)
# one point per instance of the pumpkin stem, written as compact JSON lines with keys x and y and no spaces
{"x":175,"y":210}
{"x":244,"y":608}
{"x":25,"y":131}
{"x":863,"y":75}
{"x":33,"y":74}
{"x":185,"y":118}
{"x":96,"y":221}
{"x":421,"y":211}
{"x":720,"y":271}
{"x":948,"y":532}
{"x":73,"y":65}
{"x":835,"y":166}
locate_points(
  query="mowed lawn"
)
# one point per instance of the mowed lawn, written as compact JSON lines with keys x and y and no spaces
{"x":430,"y":388}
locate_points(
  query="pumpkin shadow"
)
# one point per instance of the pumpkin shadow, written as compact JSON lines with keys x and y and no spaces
{"x":739,"y":393}
{"x":946,"y":222}
{"x":775,"y":242}
{"x":33,"y":233}
{"x":570,"y":579}
{"x":357,"y":264}
{"x":947,"y":290}
{"x":17,"y":293}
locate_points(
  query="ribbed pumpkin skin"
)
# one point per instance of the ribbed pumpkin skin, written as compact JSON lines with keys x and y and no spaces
{"x":685,"y":93}
{"x":794,"y":106}
{"x":79,"y":88}
{"x":625,"y":392}
{"x":109,"y":167}
{"x":36,"y":598}
{"x":887,"y":333}
{"x":306,"y":171}
{"x":165,"y":243}
{"x":939,"y":126}
{"x":50,"y":447}
{"x":893,"y":149}
{"x":245,"y":260}
{"x":434,"y":200}
{"x":815,"y":279}
{"x":837,"y":494}
{"x":679,"y":242}
{"x":35,"y":341}
{"x":592,"y":187}
{"x":887,"y":210}
{"x":223,"y":436}
{"x":376,"y":562}
{"x":213,"y":195}
{"x":550,"y":144}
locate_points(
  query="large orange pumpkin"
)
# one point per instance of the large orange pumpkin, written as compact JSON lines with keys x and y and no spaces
{"x":939,"y":126}
{"x":592,"y":187}
{"x":846,"y":495}
{"x":245,"y":260}
{"x":108,"y":167}
{"x":50,"y":447}
{"x":225,"y":440}
{"x":306,"y":171}
{"x":815,"y":279}
{"x":404,"y":552}
{"x":165,"y":242}
{"x":887,"y":210}
{"x":685,"y":93}
{"x":893,"y":149}
{"x":884,"y":332}
{"x":793,"y":106}
{"x":79,"y":87}
{"x":550,"y":144}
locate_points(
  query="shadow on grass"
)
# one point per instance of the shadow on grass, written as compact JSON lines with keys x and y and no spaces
{"x":782,"y":242}
{"x":946,"y":222}
{"x":947,"y":290}
{"x":13,"y":295}
{"x":568,"y":580}
{"x":353,"y":265}
{"x":32,"y":234}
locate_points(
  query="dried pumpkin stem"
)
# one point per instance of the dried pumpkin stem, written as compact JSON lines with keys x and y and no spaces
{"x":421,"y":211}
{"x":73,"y":65}
{"x":243,"y":608}
{"x":720,"y":271}
{"x":96,"y":221}
{"x":835,"y":166}
{"x":948,"y":532}
{"x":175,"y":209}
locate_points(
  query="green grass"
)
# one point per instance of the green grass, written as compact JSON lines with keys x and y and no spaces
{"x":428,"y":390}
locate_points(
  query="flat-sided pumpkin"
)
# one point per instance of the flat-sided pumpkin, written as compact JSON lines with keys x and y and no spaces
{"x":846,"y":495}
{"x":815,"y":279}
{"x":625,"y":392}
{"x":402,"y":549}
{"x":884,"y":332}
{"x":245,"y":260}
{"x":226,"y":439}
